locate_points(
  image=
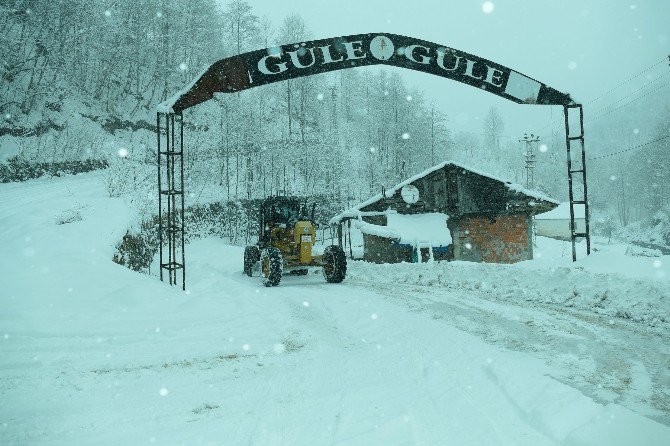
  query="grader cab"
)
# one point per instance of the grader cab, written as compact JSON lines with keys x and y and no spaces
{"x":286,"y":238}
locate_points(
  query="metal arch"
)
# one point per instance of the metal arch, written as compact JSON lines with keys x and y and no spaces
{"x":269,"y":65}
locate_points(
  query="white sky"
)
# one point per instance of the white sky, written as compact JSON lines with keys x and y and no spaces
{"x":608,"y":40}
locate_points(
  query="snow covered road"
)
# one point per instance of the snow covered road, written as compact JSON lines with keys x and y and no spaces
{"x":94,"y":353}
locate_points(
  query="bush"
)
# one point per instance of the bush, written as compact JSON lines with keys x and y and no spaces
{"x":19,"y":169}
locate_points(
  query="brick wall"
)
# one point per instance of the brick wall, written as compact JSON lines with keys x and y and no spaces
{"x":506,"y":239}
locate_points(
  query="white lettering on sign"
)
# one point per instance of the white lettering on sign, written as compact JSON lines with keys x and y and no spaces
{"x":381,"y":48}
{"x":263,"y":66}
{"x":468,"y":69}
{"x":355,"y":52}
{"x":327,"y":57}
{"x":296,"y":60}
{"x":424,"y":58}
{"x":441,"y":53}
{"x":494,"y":76}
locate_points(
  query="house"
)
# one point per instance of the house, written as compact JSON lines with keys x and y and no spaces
{"x":556,"y":223}
{"x":448,"y":212}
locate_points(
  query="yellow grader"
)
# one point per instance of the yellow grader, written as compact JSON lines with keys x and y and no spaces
{"x":286,"y":239}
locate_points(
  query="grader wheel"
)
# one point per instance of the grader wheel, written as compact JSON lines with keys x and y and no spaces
{"x":334,"y":264}
{"x":272,"y":266}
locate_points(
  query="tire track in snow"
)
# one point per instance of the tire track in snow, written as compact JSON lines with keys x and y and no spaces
{"x":568,"y":340}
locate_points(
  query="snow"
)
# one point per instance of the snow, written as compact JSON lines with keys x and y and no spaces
{"x":167,"y":106}
{"x":429,"y":228}
{"x":354,"y":212}
{"x":416,"y":229}
{"x":562,"y":212}
{"x":378,"y":230}
{"x":487,"y":354}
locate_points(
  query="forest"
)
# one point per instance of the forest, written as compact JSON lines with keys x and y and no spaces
{"x":82,"y":79}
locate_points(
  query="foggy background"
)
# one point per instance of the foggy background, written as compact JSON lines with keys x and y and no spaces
{"x":82,"y":79}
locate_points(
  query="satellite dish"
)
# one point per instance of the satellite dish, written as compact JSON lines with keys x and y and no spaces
{"x":410,"y":194}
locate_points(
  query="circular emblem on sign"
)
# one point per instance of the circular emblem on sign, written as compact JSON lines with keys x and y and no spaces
{"x":382,"y":48}
{"x":410,"y":194}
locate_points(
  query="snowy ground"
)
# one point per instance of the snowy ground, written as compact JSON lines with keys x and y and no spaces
{"x":426,"y":354}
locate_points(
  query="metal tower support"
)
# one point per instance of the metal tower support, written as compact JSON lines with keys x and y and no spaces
{"x":530,"y":158}
{"x":581,"y":164}
{"x":171,"y":193}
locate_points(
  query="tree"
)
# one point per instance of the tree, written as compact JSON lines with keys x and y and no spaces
{"x":493,"y":129}
{"x":241,"y":24}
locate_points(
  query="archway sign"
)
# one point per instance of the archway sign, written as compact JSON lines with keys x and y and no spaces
{"x":269,"y":65}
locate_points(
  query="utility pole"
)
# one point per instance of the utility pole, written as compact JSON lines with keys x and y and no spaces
{"x":530,"y":158}
{"x":530,"y":166}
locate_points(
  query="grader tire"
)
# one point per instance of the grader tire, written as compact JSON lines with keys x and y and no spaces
{"x":334,"y":264}
{"x":272,"y":266}
{"x":251,"y":255}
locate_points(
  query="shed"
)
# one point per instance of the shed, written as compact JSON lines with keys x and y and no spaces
{"x":556,"y":223}
{"x":457,"y":213}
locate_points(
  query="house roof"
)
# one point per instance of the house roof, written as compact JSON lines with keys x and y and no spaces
{"x":354,"y":212}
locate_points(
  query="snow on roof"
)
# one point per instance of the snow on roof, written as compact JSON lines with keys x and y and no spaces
{"x":354,"y":212}
{"x":562,"y":212}
{"x":412,"y":229}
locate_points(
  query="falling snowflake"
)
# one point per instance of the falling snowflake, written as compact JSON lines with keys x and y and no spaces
{"x":305,"y":304}
{"x":183,"y":66}
{"x":636,"y":131}
{"x":245,"y":347}
{"x":543,"y":148}
{"x":372,"y":150}
{"x":159,"y":14}
{"x":468,"y":246}
{"x":163,"y":391}
{"x":489,"y":360}
{"x":319,"y":96}
{"x":409,"y":98}
{"x":632,"y":7}
{"x":405,"y":136}
{"x":108,"y":13}
{"x":386,"y":92}
{"x":6,"y":336}
{"x":373,"y":316}
{"x":8,"y":116}
{"x":613,"y":177}
{"x":657,"y":264}
{"x":488,"y":7}
{"x":274,"y":51}
{"x":572,"y":65}
{"x":123,"y":152}
{"x":158,"y":329}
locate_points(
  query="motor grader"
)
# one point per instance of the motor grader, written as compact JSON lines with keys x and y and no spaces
{"x":286,"y":239}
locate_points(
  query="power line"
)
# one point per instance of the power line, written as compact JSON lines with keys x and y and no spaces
{"x":627,"y":80}
{"x":627,"y":103}
{"x":629,"y":149}
{"x":632,"y":93}
{"x":664,"y":59}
